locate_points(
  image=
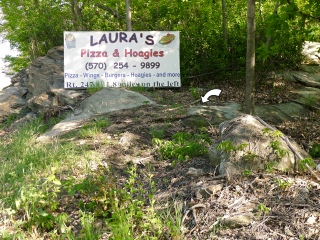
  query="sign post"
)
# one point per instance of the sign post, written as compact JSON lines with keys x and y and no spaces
{"x":122,"y":59}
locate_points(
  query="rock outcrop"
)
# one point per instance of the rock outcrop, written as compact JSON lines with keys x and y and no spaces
{"x":39,"y":87}
{"x":246,"y":144}
{"x":311,"y":52}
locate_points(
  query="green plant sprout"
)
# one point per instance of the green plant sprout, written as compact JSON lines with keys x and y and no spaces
{"x":263,"y":209}
{"x":95,"y":87}
{"x":247,"y":173}
{"x":283,"y":184}
{"x":195,"y":92}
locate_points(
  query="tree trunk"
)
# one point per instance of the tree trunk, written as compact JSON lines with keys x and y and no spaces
{"x":128,"y":15}
{"x":224,"y":24}
{"x":250,"y":59}
{"x":275,"y":11}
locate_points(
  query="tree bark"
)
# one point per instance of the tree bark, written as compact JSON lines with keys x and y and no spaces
{"x":250,"y":58}
{"x":224,"y":24}
{"x":76,"y":12}
{"x":275,"y":11}
{"x":128,"y":16}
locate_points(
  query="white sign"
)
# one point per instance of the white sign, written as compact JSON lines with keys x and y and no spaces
{"x":122,"y":59}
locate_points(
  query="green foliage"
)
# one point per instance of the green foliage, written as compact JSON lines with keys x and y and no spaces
{"x":94,"y":127}
{"x":247,"y":173}
{"x":41,"y":29}
{"x":204,"y":51}
{"x":38,"y":203}
{"x":10,"y":119}
{"x":88,"y":230}
{"x":303,"y":162}
{"x":157,"y":133}
{"x":227,"y":146}
{"x":271,"y":166}
{"x":263,"y":209}
{"x":139,"y":89}
{"x":283,"y":184}
{"x":173,"y":220}
{"x":182,"y":146}
{"x":315,"y":150}
{"x":195,"y":93}
{"x":31,"y":176}
{"x":275,"y":144}
{"x":273,"y":134}
{"x":250,"y":156}
{"x":277,"y":149}
{"x":129,"y":219}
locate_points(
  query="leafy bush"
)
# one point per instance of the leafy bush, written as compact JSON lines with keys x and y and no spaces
{"x":182,"y":146}
{"x":315,"y":150}
{"x":302,"y":164}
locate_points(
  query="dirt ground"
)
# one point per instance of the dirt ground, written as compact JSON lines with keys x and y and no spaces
{"x":281,"y":205}
{"x":291,"y":211}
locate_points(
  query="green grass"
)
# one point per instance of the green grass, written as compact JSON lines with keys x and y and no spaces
{"x":95,"y":87}
{"x":36,"y":177}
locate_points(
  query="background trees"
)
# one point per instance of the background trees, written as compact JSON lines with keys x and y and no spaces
{"x":35,"y":26}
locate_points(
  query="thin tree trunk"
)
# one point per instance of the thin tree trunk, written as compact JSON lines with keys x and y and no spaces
{"x":224,"y":24}
{"x":250,"y":59}
{"x":275,"y":11}
{"x":128,"y":16}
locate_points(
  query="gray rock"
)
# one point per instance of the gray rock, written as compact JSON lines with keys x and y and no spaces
{"x":39,"y":87}
{"x":310,"y":68}
{"x":104,"y":101}
{"x":309,"y":96}
{"x":241,"y":220}
{"x":218,"y":114}
{"x":311,"y":52}
{"x":246,"y":129}
{"x":308,"y":79}
{"x":207,"y":191}
{"x":273,"y":113}
{"x":128,"y":139}
{"x":67,"y":96}
{"x":11,"y":102}
{"x":195,"y":172}
{"x":40,"y":103}
{"x":241,"y":213}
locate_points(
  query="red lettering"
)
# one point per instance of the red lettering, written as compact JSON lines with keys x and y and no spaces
{"x":83,"y":51}
{"x":128,"y":53}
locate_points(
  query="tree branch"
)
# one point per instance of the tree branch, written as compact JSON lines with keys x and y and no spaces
{"x":304,"y":14}
{"x":110,"y":10}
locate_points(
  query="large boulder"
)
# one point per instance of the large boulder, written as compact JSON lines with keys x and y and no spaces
{"x":46,"y":81}
{"x":12,"y":101}
{"x":311,"y":52}
{"x":39,"y":87}
{"x":247,"y":144}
